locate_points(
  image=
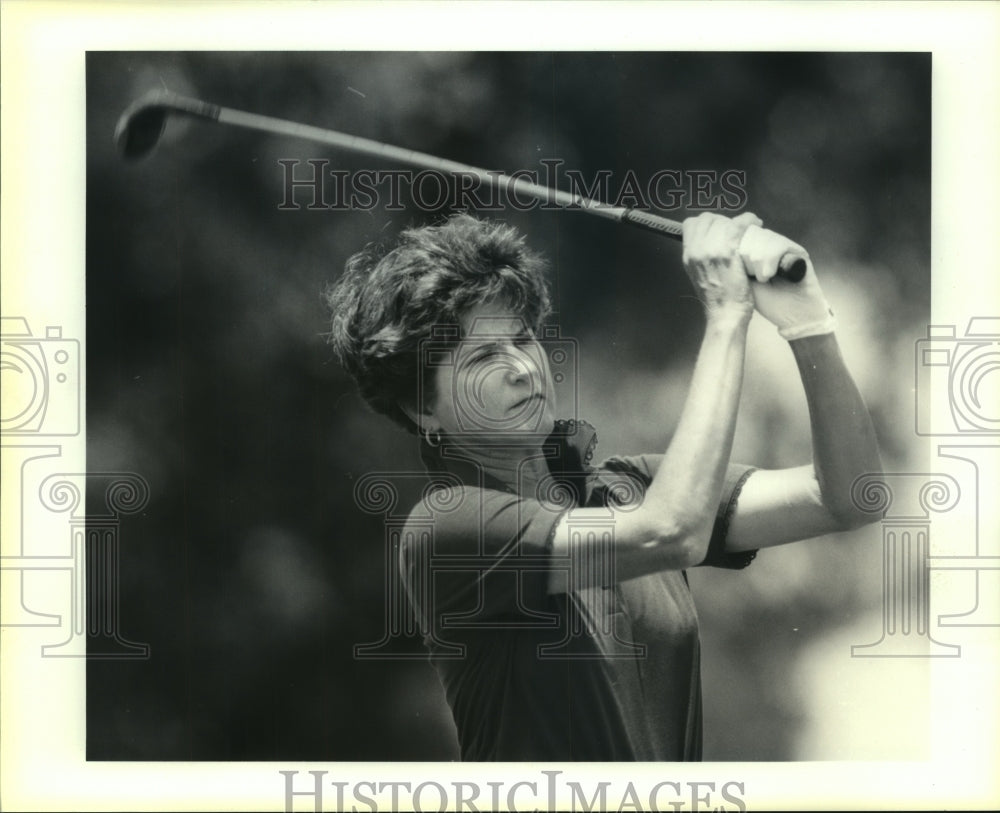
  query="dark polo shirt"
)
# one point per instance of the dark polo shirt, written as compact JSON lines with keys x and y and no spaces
{"x":593,"y":674}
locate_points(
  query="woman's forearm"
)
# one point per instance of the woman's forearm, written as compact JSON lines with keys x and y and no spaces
{"x":683,"y":498}
{"x":843,"y":437}
{"x":672,"y":526}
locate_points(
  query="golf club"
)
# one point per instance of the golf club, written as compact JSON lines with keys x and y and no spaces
{"x":142,"y":123}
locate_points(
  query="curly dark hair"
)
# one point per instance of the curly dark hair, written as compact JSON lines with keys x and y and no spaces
{"x":386,"y":303}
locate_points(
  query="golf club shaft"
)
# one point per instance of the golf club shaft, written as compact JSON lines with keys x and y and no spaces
{"x":400,"y":155}
{"x":791,"y":266}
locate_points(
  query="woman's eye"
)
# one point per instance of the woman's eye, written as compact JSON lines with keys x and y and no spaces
{"x":486,"y":355}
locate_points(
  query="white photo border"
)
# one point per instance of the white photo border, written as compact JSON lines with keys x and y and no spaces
{"x":43,"y":55}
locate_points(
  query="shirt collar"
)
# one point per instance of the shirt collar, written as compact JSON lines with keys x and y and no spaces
{"x":568,"y":448}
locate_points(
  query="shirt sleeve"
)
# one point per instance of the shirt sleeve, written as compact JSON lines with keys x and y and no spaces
{"x":646,"y":466}
{"x":718,"y":556}
{"x":474,"y":554}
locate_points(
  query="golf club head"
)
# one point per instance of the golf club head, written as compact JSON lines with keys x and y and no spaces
{"x":139,"y":128}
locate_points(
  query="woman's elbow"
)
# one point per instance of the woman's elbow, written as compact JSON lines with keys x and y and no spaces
{"x":849,"y":508}
{"x":852,"y":513}
{"x":852,"y":518}
{"x":682,"y":542}
{"x":859,"y":511}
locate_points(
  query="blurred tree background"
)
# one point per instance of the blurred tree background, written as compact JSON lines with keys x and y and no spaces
{"x":253,"y":573}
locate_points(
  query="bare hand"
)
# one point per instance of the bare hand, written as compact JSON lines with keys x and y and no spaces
{"x":713,"y":263}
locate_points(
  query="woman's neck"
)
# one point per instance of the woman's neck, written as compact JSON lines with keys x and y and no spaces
{"x":520,"y":468}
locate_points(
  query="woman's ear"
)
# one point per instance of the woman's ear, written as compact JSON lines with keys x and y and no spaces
{"x":425,"y":421}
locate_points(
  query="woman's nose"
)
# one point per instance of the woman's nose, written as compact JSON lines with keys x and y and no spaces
{"x":525,"y":366}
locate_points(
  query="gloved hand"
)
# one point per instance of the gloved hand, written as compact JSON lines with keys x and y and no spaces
{"x":798,"y":309}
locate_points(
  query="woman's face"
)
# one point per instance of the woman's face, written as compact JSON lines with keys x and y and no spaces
{"x":495,"y":382}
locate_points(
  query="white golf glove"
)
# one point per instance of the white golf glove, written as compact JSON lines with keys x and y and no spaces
{"x":798,"y":309}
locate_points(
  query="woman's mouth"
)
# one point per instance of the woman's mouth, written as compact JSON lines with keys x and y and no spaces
{"x":527,"y":400}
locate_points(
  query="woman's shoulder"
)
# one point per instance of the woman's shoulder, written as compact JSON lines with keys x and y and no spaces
{"x":458,"y":518}
{"x":451,"y":499}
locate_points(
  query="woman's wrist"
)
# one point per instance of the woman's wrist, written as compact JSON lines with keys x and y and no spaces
{"x":815,"y":349}
{"x":731,"y":315}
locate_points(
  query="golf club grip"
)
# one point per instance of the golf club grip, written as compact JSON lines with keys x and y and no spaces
{"x":792,"y":267}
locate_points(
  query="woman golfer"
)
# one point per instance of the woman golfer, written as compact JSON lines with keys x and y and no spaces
{"x":551,"y":592}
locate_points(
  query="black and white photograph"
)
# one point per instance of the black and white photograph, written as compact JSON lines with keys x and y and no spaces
{"x":220,"y":258}
{"x":453,"y":425}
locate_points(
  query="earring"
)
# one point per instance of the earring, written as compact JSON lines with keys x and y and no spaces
{"x":437,"y":438}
